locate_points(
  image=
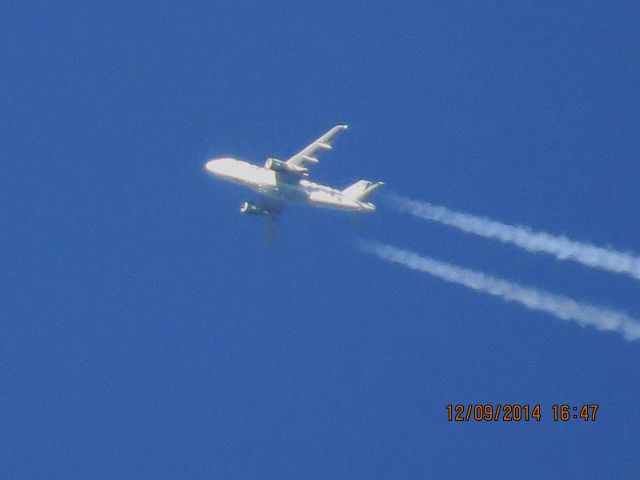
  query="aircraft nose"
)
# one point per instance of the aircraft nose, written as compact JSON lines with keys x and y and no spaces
{"x":222,"y":167}
{"x":213,"y":166}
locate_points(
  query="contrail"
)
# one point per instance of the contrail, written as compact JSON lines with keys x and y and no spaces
{"x":559,"y":246}
{"x":559,"y":306}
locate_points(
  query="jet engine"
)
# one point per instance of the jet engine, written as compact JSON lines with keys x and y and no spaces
{"x":252,"y":208}
{"x":280,"y":166}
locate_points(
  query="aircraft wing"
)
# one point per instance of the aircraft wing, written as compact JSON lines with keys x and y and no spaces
{"x":272,"y":208}
{"x":309,"y":153}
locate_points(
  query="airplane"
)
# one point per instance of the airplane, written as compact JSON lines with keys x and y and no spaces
{"x":279,"y":182}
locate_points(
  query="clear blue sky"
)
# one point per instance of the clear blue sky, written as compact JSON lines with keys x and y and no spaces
{"x":145,"y":330}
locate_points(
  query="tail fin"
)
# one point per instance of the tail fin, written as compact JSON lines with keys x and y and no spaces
{"x":361,"y":189}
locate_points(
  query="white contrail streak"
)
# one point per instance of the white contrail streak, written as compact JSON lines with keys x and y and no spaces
{"x":559,"y":246}
{"x":559,"y":306}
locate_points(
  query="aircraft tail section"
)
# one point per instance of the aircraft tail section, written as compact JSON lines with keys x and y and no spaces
{"x":361,"y":189}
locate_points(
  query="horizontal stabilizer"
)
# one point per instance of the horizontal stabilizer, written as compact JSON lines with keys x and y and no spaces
{"x":361,"y":189}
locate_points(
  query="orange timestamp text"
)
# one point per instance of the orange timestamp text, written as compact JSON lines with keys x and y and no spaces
{"x":519,"y":412}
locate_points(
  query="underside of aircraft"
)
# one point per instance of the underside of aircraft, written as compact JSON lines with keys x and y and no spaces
{"x":279,"y":182}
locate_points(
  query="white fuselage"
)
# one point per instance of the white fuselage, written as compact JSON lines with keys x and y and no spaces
{"x":293,"y":189}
